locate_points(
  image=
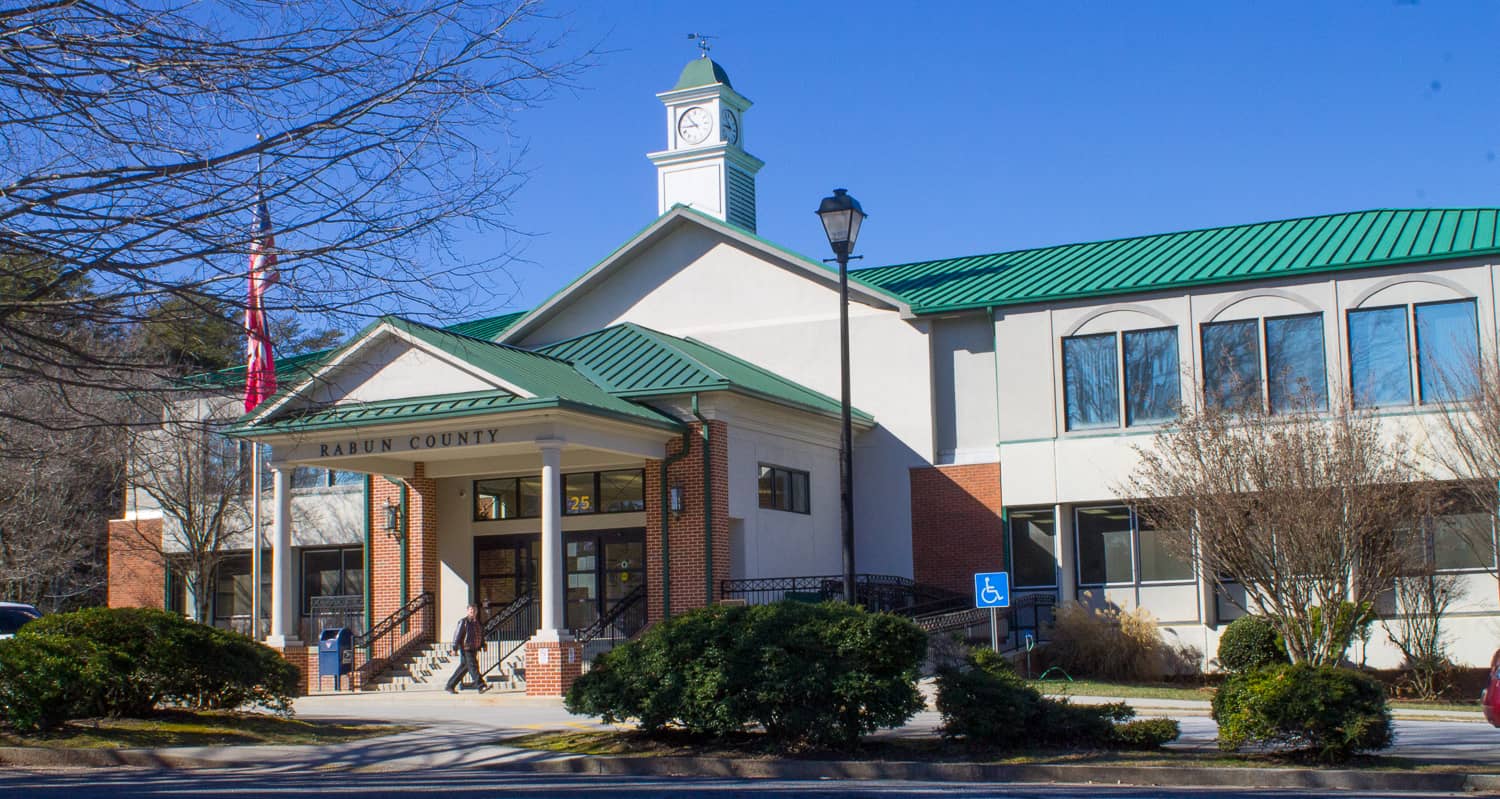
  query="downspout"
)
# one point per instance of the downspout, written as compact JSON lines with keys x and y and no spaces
{"x":369,"y":495}
{"x":708,"y":509}
{"x":405,"y":543}
{"x":666,"y":522}
{"x":1004,"y":514}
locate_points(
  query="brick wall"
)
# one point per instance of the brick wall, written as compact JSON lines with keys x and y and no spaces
{"x":553,"y":678}
{"x":385,"y":549}
{"x":685,"y":534}
{"x":955,"y":524}
{"x":137,"y":578}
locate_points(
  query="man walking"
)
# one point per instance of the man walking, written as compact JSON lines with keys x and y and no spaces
{"x":468,"y":639}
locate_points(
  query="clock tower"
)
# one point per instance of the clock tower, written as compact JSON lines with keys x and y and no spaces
{"x":705,"y":164}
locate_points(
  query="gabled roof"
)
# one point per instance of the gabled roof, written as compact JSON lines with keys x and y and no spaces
{"x":292,"y":368}
{"x":1229,"y":254}
{"x":540,"y":381}
{"x":638,"y":362}
{"x":678,"y":215}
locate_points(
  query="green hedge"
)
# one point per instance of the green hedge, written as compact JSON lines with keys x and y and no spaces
{"x":985,"y":701}
{"x":1250,"y":642}
{"x":809,"y":675}
{"x":1326,"y":712}
{"x":129,"y":662}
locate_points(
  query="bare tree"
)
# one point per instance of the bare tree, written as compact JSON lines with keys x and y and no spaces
{"x":135,"y":136}
{"x":1466,"y":443}
{"x":1423,"y":598}
{"x":199,"y":480}
{"x":1310,"y":513}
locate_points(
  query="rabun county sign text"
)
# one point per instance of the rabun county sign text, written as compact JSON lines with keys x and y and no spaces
{"x":408,"y":443}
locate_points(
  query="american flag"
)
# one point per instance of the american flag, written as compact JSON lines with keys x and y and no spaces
{"x":260,"y":373}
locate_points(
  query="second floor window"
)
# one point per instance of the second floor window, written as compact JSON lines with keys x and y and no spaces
{"x":1380,"y":352}
{"x":1092,"y":365}
{"x":1275,"y":363}
{"x":784,"y":489}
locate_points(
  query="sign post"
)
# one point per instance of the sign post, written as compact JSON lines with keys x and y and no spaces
{"x":992,"y":590}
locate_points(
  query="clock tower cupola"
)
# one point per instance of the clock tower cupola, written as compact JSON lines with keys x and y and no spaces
{"x":705,"y":164}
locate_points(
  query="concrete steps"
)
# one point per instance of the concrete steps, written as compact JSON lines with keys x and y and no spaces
{"x":430,"y":668}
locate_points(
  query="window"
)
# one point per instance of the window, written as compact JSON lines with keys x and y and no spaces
{"x":1033,"y":547}
{"x":1152,"y":385}
{"x":783,"y":489}
{"x":1117,"y":547}
{"x":1091,"y":387}
{"x":1231,"y":365}
{"x":618,"y":491}
{"x":1380,"y":355}
{"x":1447,"y":345}
{"x":318,"y":477}
{"x":232,"y":594}
{"x":1463,"y":541}
{"x":332,"y":572}
{"x":1295,"y":377}
{"x":1104,"y":546}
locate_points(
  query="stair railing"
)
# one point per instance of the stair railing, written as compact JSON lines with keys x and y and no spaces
{"x":511,"y":628}
{"x":388,"y":641}
{"x":614,"y":619}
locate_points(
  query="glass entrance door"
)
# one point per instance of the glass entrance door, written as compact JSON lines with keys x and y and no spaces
{"x":505,"y":567}
{"x":602,"y":568}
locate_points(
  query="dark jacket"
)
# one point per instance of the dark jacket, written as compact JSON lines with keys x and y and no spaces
{"x":469,"y":635}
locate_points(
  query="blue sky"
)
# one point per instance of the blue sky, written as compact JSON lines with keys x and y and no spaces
{"x":977,"y":127}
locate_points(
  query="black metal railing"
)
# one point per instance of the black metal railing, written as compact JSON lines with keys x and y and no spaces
{"x":878,"y":592}
{"x":622,"y":620}
{"x":1030,"y":614}
{"x":396,"y":636}
{"x":508,"y":630}
{"x":327,"y":612}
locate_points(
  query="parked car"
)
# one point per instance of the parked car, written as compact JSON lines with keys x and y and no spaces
{"x":1489,"y":698}
{"x":15,"y":615}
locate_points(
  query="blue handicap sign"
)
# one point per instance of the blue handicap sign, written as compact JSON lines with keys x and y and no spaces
{"x":992,"y":590}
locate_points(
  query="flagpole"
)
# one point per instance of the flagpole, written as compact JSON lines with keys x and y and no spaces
{"x":255,"y":548}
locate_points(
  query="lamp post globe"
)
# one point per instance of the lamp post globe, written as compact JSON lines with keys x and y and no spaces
{"x":842,"y":216}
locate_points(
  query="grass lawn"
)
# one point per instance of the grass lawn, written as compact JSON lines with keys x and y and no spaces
{"x":205,"y":728}
{"x":928,"y":748}
{"x":1204,"y":693}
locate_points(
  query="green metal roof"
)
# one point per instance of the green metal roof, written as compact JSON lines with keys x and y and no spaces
{"x":702,"y":72}
{"x":637,"y":362}
{"x":1192,"y":258}
{"x":554,"y":382}
{"x":292,"y":368}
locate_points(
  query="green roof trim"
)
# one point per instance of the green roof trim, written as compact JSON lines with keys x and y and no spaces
{"x":553,"y":382}
{"x":638,"y":362}
{"x":702,"y":72}
{"x":1229,"y":254}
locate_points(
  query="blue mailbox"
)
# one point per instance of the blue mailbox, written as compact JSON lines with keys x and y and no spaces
{"x":335,"y":654}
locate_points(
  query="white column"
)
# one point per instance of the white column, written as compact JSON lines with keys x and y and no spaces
{"x":1067,"y":555}
{"x":553,"y":625}
{"x":283,"y":630}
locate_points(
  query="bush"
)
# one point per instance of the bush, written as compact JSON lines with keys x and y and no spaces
{"x":1249,"y":643}
{"x":1114,"y":644}
{"x":1329,"y":713}
{"x":809,"y":675}
{"x":986,"y":702}
{"x":129,"y":662}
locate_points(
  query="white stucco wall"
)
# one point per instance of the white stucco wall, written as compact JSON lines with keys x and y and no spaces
{"x":963,"y":387}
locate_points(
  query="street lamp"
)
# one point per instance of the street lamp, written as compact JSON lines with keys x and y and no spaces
{"x":842,"y":217}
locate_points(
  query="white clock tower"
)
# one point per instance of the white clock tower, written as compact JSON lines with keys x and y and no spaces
{"x":705,"y":164}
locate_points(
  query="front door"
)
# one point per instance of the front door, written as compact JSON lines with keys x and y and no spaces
{"x":505,"y":567}
{"x":602,"y":568}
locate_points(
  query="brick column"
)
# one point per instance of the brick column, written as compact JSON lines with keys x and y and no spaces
{"x":421,"y":547}
{"x":136,"y":574}
{"x":552,"y":666}
{"x":955,"y":524}
{"x":685,"y":531}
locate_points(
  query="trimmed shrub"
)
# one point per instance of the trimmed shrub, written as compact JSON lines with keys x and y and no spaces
{"x":129,"y":662}
{"x":1115,"y":644}
{"x":986,"y":702}
{"x":809,"y":675}
{"x":1250,"y":642}
{"x":1326,"y":712}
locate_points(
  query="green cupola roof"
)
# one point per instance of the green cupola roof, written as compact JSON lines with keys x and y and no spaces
{"x":702,"y":72}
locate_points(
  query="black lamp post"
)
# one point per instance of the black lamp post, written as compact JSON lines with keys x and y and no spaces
{"x":842,"y":217}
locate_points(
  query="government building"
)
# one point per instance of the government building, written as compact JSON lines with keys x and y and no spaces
{"x":663,"y":432}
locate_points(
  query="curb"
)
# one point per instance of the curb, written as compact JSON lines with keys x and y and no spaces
{"x":1145,"y":776}
{"x":106,"y":758}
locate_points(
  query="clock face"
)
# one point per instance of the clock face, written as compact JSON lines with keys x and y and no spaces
{"x":695,"y":124}
{"x":730,"y":126}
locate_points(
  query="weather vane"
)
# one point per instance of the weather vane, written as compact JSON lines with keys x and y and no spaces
{"x":703,"y":43}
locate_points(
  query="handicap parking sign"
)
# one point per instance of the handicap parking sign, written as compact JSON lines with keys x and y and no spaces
{"x":992,"y":590}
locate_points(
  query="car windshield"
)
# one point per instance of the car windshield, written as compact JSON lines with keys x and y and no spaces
{"x":11,"y":619}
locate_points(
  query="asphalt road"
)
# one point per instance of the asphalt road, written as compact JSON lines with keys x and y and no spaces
{"x":467,"y":784}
